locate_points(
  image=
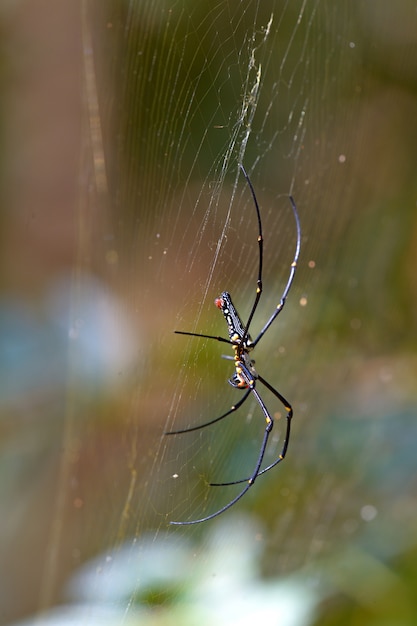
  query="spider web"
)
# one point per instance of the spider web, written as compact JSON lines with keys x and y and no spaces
{"x":317,"y":100}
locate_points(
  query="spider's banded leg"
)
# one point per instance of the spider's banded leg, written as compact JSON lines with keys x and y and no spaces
{"x":288,"y":408}
{"x":260,"y":248}
{"x":251,"y":480}
{"x":232,"y":409}
{"x":216,"y":337}
{"x":293,"y":268}
{"x":283,"y":452}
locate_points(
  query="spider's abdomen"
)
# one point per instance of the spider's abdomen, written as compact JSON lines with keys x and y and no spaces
{"x":234,"y":323}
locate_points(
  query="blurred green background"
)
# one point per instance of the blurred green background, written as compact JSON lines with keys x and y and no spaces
{"x":122,"y":124}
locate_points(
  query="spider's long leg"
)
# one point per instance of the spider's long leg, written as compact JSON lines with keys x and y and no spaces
{"x":260,"y":247}
{"x":232,"y":409}
{"x":293,"y":268}
{"x":251,"y":480}
{"x":216,"y":337}
{"x":287,"y":406}
{"x":283,"y":452}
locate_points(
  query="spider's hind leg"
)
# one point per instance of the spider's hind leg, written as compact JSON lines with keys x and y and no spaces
{"x":289,"y":413}
{"x":232,"y":409}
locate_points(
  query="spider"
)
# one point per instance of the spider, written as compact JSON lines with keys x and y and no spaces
{"x":245,"y":376}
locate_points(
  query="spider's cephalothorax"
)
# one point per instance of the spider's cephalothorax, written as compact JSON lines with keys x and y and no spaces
{"x":245,"y":376}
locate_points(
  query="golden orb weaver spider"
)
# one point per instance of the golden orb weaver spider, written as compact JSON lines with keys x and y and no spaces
{"x":245,"y":375}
